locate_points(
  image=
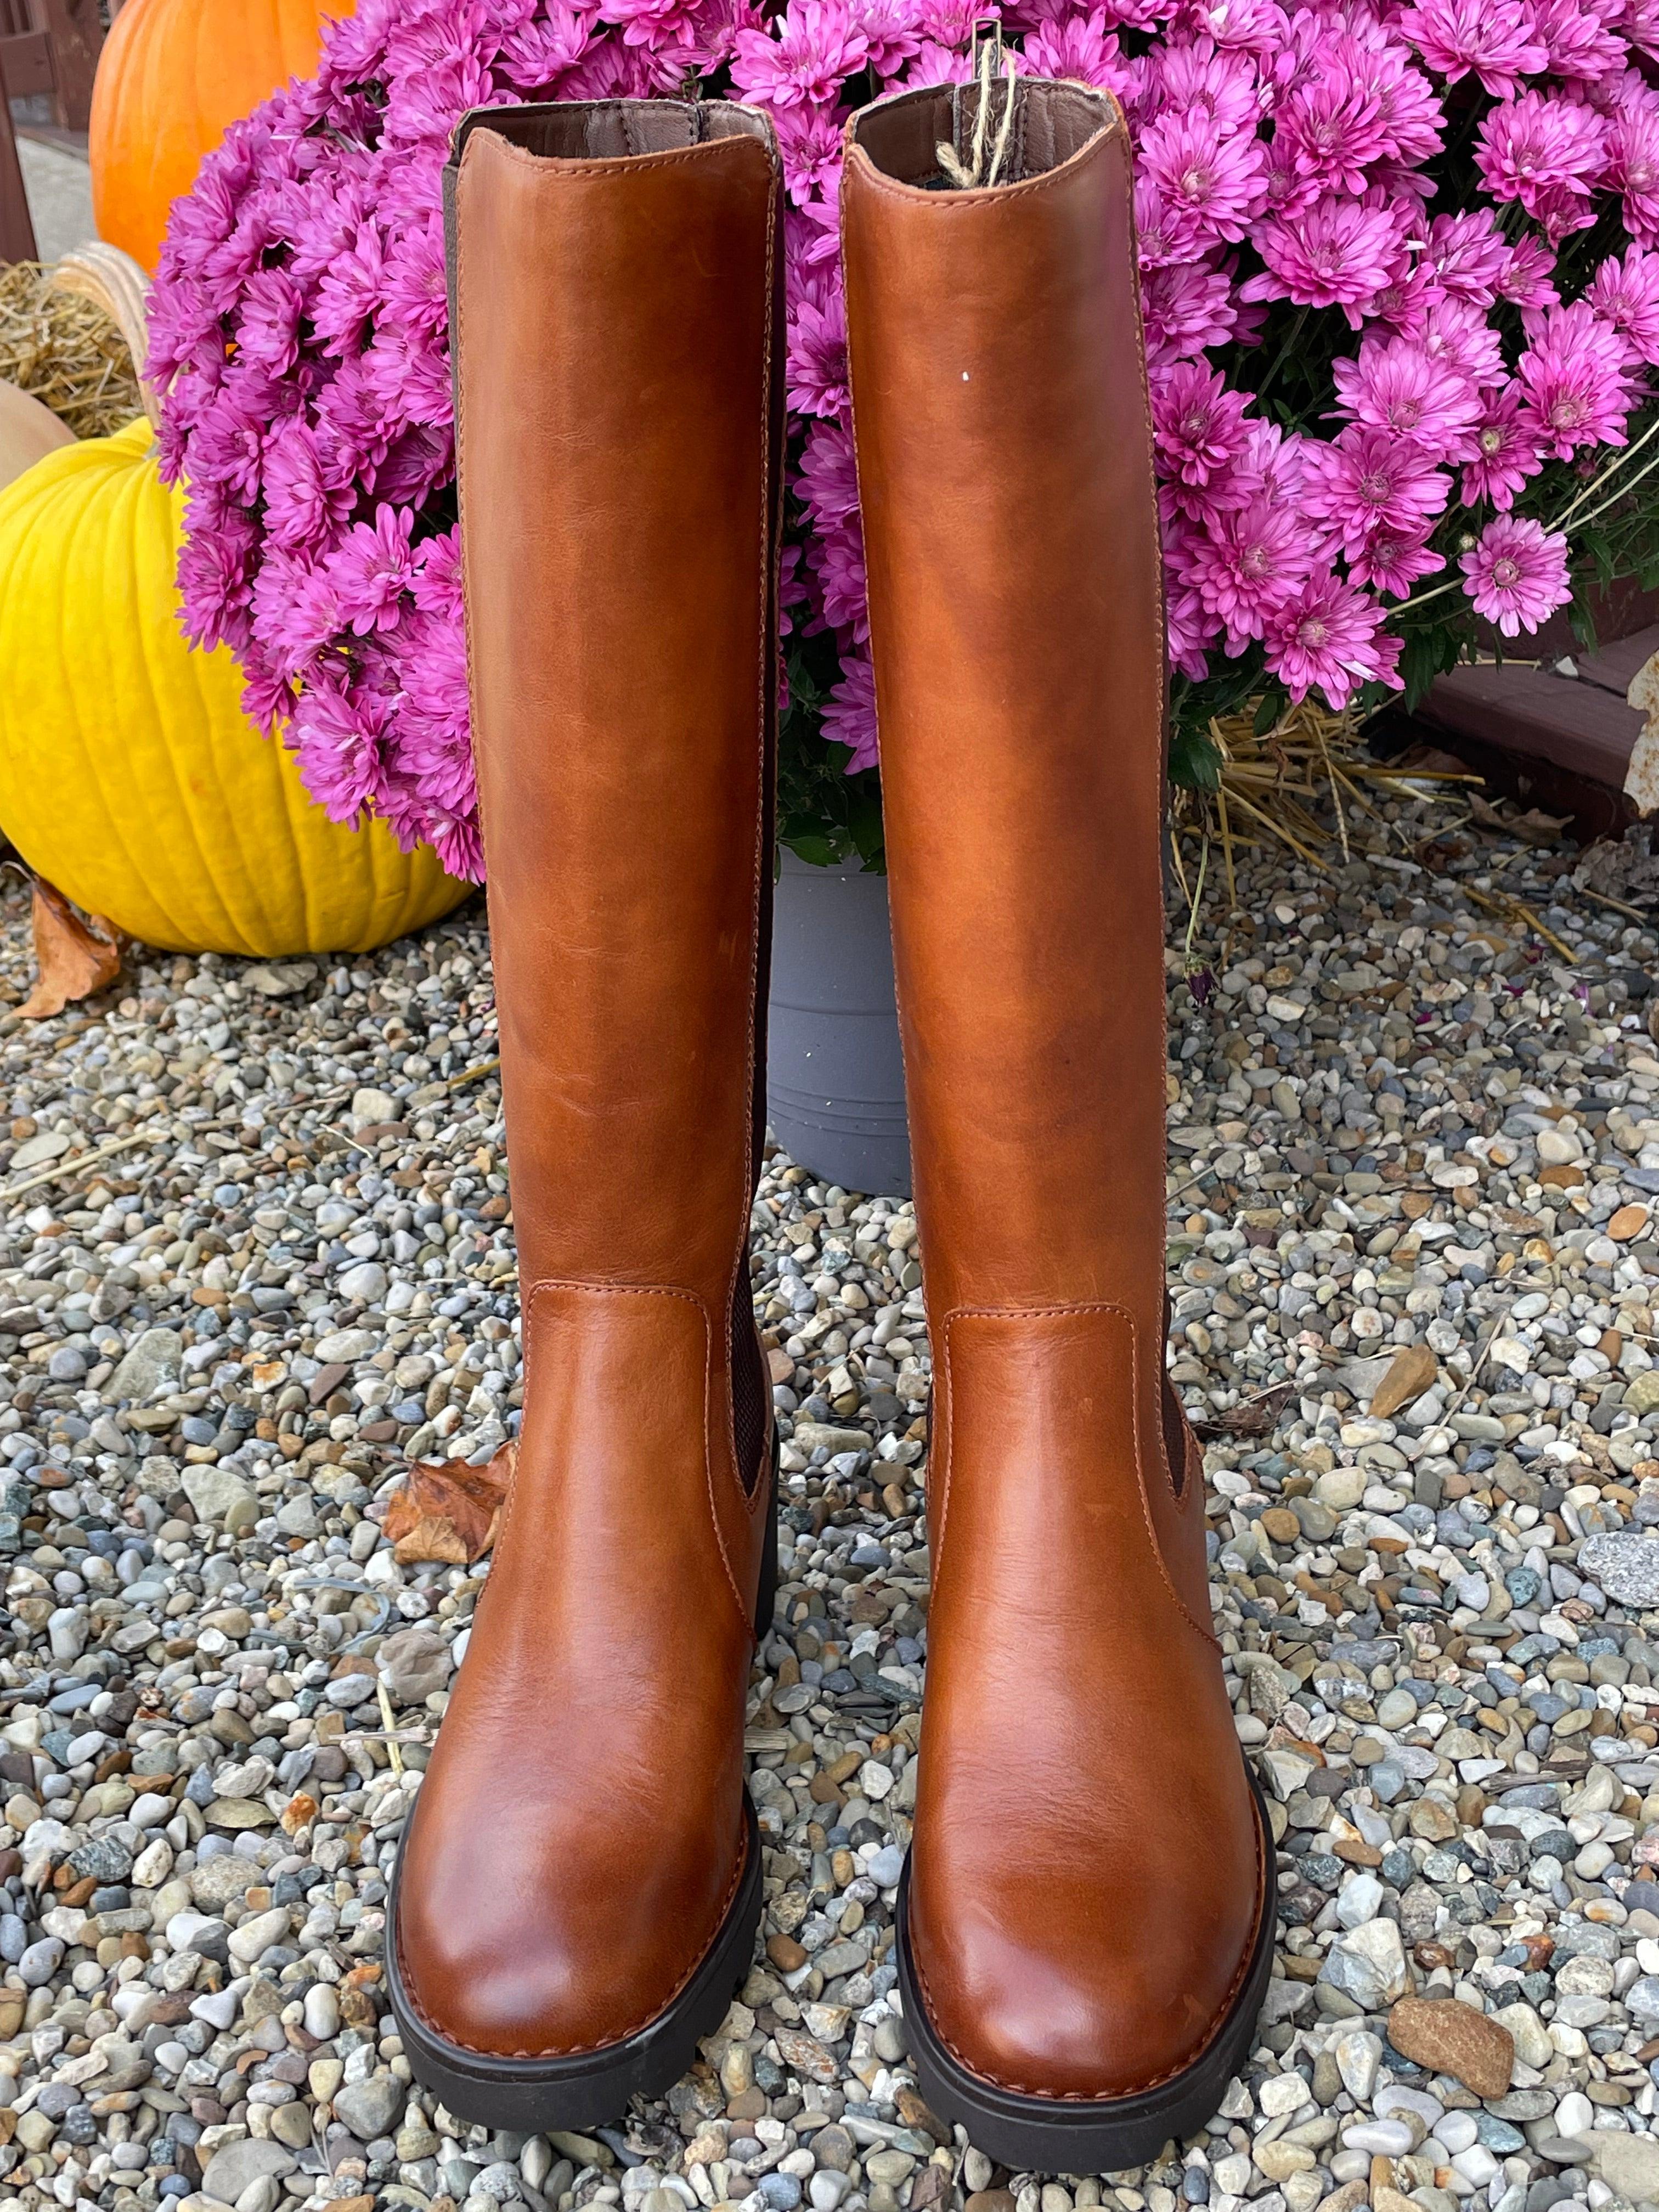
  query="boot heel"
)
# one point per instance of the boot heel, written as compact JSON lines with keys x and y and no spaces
{"x":766,"y":1597}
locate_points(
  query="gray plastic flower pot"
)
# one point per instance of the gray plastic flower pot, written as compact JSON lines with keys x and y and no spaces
{"x":834,"y":1075}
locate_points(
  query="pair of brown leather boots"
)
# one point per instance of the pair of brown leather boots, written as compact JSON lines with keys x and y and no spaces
{"x":1084,"y":1927}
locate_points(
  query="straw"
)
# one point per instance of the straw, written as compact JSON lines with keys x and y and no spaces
{"x":65,"y":350}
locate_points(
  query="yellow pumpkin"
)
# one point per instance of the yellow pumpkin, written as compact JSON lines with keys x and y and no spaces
{"x":173,"y":76}
{"x":129,"y":776}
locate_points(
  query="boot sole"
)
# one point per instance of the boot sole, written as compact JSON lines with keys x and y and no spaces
{"x":1054,"y":2135}
{"x":584,"y":2088}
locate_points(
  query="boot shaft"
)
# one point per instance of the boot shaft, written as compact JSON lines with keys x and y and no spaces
{"x":1086,"y":1929}
{"x":1006,"y":475}
{"x":615,"y":271}
{"x":559,"y":1946}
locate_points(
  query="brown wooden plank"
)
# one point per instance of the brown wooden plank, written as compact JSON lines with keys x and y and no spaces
{"x":1579,"y":728}
{"x":76,"y":36}
{"x":1611,"y":666}
{"x":16,"y":225}
{"x":26,"y":64}
{"x":1616,"y":611}
{"x":1591,"y":809}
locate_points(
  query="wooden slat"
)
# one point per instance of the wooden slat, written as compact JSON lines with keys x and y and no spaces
{"x":76,"y":36}
{"x":26,"y":64}
{"x":17,"y":227}
{"x":1578,"y":727}
{"x":1611,"y":667}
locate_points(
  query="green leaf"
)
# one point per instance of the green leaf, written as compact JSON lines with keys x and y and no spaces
{"x":1194,"y":762}
{"x":811,"y":846}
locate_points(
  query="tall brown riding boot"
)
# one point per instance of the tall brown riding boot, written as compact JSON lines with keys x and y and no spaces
{"x":578,"y":1893}
{"x":1086,"y":1931}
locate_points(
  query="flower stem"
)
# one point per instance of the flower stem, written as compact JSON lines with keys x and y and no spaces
{"x":1422,"y":598}
{"x":1613,"y":498}
{"x":1612,"y":469}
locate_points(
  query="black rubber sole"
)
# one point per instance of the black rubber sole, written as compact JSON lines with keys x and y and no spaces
{"x":531,"y":2096}
{"x":1045,"y":2135}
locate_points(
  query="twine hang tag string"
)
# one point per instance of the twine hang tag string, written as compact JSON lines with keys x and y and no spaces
{"x":990,"y":64}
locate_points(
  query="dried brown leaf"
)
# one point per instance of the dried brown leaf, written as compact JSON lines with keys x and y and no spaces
{"x":1534,"y":827}
{"x":1256,"y":1417}
{"x":75,"y":958}
{"x":1412,"y":1370}
{"x":448,"y":1511}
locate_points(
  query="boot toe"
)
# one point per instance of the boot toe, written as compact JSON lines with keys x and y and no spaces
{"x":1084,"y":2002}
{"x":521,"y":1987}
{"x":523,"y":1953}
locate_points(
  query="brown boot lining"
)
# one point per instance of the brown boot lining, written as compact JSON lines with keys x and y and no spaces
{"x":615,"y":130}
{"x":1052,"y":122}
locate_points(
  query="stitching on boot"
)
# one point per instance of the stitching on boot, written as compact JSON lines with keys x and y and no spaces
{"x":1045,"y":1313}
{"x":690,"y":1299}
{"x":614,"y":165}
{"x":577,"y":2049}
{"x":1154,"y":2081}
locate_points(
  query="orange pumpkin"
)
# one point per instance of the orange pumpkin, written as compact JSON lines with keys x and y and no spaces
{"x":173,"y":75}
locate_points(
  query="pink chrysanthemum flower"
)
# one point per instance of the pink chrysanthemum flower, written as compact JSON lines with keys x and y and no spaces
{"x":809,"y":140}
{"x":1640,"y":24}
{"x":1381,"y":68}
{"x":1198,"y":428}
{"x":1187,"y":310}
{"x":307,"y":496}
{"x":1370,"y":481}
{"x":1398,"y":387}
{"x":1506,"y":451}
{"x":1332,"y":130}
{"x":1246,"y":562}
{"x":1213,"y":186}
{"x":1632,"y":169}
{"x":807,"y":55}
{"x":1336,"y":253}
{"x":1572,"y":382}
{"x":1197,"y":77}
{"x":829,"y":493}
{"x":1626,"y":294}
{"x":1192,"y":632}
{"x":1253,"y":27}
{"x":1546,"y":152}
{"x":893,"y":32}
{"x":1455,"y":333}
{"x":1084,"y":48}
{"x":849,"y":718}
{"x":1493,"y":39}
{"x":1529,"y":278}
{"x":1327,"y":638}
{"x":372,"y":569}
{"x":817,"y":352}
{"x":1578,"y":41}
{"x":1466,"y":256}
{"x":1517,"y":574}
{"x":1391,"y":564}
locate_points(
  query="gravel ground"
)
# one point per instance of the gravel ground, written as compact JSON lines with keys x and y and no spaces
{"x":257,"y":1250}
